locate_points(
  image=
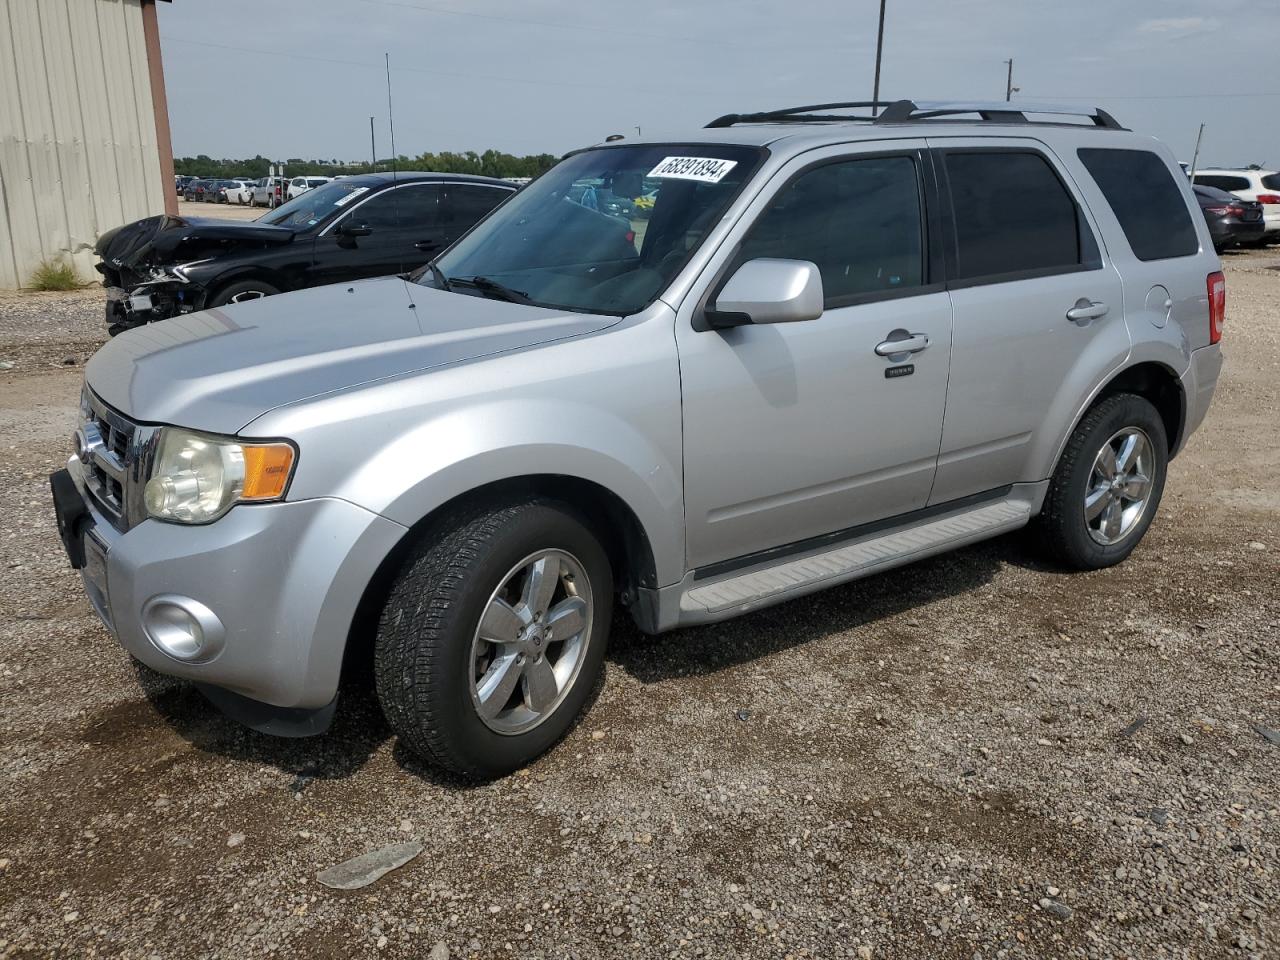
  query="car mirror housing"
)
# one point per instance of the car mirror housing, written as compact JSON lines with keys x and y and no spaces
{"x":768,"y":291}
{"x":354,"y":229}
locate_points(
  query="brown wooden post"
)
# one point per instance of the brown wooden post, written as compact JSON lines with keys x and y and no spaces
{"x":155,"y":67}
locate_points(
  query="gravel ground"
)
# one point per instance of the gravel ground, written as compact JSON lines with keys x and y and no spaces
{"x":976,"y":756}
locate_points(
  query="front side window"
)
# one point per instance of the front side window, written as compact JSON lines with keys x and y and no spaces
{"x":576,"y":239}
{"x":1145,"y":199}
{"x":858,"y":220}
{"x":1012,"y":215}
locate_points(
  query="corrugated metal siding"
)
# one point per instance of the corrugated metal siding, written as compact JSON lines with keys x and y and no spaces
{"x":78,"y":151}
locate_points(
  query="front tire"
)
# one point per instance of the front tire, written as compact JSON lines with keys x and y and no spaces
{"x":493,"y":636}
{"x":1107,"y":487}
{"x":242,"y":291}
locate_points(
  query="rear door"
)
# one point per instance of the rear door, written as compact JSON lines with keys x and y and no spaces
{"x":464,"y":204}
{"x":1038,"y":312}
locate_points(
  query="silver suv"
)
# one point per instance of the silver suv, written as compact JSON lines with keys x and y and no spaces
{"x":695,"y":377}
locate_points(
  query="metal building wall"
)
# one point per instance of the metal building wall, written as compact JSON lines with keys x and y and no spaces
{"x":78,"y":151}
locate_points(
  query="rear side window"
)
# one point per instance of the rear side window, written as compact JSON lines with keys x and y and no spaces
{"x":1271,"y":181}
{"x":1223,"y":182}
{"x":859,"y":221}
{"x":468,"y":203}
{"x":1012,"y":216}
{"x":1146,"y":200}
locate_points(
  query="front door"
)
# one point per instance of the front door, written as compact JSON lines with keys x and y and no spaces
{"x":793,"y":431}
{"x":404,"y":232}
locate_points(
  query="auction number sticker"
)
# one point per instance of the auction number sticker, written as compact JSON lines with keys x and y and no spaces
{"x":343,"y":201}
{"x":702,"y":169}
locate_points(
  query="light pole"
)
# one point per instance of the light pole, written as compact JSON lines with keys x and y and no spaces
{"x":875,"y":90}
{"x":1009,"y":88}
{"x":373,"y":149}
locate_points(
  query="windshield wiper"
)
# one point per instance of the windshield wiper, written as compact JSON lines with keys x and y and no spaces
{"x":438,"y":276}
{"x":494,"y":289}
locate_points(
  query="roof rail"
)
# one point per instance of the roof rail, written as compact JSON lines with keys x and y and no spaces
{"x":911,"y":111}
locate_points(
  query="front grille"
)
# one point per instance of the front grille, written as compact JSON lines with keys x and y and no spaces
{"x":107,"y":447}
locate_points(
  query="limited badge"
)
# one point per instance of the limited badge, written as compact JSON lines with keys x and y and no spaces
{"x":902,"y":370}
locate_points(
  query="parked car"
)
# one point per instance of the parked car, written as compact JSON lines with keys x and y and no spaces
{"x":236,"y":191}
{"x":837,"y":348}
{"x":300,"y":185}
{"x":364,"y":226}
{"x":1232,"y":221}
{"x":268,"y":192}
{"x":1260,"y":185}
{"x":180,"y":182}
{"x":194,"y":189}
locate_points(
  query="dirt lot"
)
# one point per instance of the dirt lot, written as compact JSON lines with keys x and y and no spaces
{"x":976,"y":756}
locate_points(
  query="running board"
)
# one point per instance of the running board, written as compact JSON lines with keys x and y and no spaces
{"x":736,"y":593}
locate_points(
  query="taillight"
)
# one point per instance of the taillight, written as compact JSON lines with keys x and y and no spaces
{"x":1269,"y":198}
{"x":631,"y":236}
{"x":1216,"y":286}
{"x":1218,"y":211}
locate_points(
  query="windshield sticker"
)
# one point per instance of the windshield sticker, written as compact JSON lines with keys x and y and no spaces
{"x":343,"y":201}
{"x":702,"y":169}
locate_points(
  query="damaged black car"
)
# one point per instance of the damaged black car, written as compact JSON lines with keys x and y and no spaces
{"x":363,"y":226}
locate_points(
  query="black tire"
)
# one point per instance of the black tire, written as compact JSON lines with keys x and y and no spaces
{"x":229,"y":293}
{"x":1063,"y":531}
{"x":423,"y":663}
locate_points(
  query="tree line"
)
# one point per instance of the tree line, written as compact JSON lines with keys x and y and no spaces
{"x":491,"y":163}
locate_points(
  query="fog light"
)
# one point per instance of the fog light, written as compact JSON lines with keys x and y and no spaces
{"x":182,"y":628}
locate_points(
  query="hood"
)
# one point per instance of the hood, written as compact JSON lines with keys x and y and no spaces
{"x":219,"y":369}
{"x":165,"y":239}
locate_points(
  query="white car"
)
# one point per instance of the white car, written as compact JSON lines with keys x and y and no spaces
{"x":238,"y":191}
{"x":300,"y":185}
{"x":1260,"y":185}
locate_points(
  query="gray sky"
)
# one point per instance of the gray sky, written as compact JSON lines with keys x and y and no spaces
{"x":532,"y":76}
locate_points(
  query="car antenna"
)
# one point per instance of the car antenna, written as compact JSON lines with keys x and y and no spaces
{"x":391,"y":124}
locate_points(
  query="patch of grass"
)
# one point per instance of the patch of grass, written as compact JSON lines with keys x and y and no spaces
{"x":55,"y":275}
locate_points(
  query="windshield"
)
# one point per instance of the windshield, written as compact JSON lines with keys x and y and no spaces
{"x":605,"y":231}
{"x":308,"y":209}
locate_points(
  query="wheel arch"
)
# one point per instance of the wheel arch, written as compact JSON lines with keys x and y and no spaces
{"x":1158,"y":383}
{"x":247,"y":272}
{"x":607,"y":515}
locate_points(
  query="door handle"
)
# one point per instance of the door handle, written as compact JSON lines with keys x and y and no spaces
{"x":904,"y":344}
{"x":1086,"y":310}
{"x":426,"y":246}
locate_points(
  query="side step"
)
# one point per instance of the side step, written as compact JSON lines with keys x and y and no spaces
{"x":738,"y":592}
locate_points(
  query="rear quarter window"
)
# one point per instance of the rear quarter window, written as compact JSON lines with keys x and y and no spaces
{"x":1146,"y":200}
{"x":1271,"y":181}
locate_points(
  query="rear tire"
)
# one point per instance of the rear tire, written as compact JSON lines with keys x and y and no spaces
{"x":493,"y":636}
{"x":1107,"y":486}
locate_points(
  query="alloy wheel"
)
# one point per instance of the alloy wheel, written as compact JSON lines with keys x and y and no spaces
{"x":531,"y":642}
{"x":1120,"y":486}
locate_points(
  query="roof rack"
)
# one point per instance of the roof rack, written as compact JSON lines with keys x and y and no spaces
{"x":911,"y":111}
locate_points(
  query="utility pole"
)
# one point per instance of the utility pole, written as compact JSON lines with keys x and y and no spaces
{"x":1008,"y":84}
{"x":373,"y":148}
{"x":1195,"y":157}
{"x":875,"y":90}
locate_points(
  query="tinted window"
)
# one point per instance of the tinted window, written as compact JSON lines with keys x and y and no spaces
{"x":1012,"y":215}
{"x":468,"y":203}
{"x":858,"y":220}
{"x":1223,"y":182}
{"x":405,"y":207}
{"x":1271,"y":181}
{"x":1146,"y":200}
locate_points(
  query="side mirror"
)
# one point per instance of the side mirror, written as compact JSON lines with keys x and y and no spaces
{"x":768,"y":291}
{"x":354,"y":229}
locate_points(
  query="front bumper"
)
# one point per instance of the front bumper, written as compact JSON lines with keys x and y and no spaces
{"x":1198,"y":383}
{"x":283,"y":580}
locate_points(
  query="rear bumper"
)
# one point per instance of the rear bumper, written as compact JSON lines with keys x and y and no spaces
{"x":1228,"y":232}
{"x":1198,"y":384}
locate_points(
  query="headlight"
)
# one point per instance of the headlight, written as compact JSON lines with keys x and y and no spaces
{"x":197,"y":478}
